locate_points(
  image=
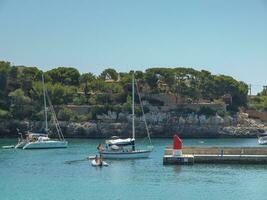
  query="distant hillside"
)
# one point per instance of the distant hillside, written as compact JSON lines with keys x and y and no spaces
{"x":21,"y":90}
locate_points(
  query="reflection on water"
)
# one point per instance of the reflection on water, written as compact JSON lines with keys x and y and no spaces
{"x":176,"y":168}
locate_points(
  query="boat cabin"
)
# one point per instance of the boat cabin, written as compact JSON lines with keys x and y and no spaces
{"x":116,"y":143}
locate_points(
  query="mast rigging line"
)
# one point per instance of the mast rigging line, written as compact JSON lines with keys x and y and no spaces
{"x":56,"y":122}
{"x":142,"y":108}
{"x":60,"y":134}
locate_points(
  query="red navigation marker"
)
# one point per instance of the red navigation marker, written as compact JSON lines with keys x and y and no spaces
{"x":177,"y":143}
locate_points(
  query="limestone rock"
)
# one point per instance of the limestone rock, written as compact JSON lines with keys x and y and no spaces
{"x":161,"y":124}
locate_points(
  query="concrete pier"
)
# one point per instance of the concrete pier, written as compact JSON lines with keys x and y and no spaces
{"x":217,"y":155}
{"x":181,"y":160}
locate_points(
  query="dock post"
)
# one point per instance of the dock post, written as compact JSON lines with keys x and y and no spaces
{"x":175,"y":156}
{"x":177,"y":146}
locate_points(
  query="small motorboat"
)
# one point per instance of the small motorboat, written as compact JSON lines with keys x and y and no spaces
{"x":99,"y":163}
{"x":262,"y":140}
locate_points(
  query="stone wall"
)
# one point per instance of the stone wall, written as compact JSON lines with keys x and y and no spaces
{"x":80,"y":109}
{"x":160,"y":124}
{"x":257,"y":114}
{"x":85,"y":109}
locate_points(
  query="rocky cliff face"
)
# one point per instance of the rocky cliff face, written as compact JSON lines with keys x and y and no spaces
{"x":160,"y":124}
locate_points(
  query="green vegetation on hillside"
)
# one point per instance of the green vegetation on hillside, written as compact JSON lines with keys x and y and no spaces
{"x":259,"y":102}
{"x":21,"y":89}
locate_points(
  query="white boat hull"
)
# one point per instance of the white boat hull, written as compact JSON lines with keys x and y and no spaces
{"x":46,"y":144}
{"x":125,"y":155}
{"x":96,"y":164}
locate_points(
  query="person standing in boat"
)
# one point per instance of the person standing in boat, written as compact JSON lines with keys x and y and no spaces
{"x":100,"y":148}
{"x":100,"y":160}
{"x":96,"y":158}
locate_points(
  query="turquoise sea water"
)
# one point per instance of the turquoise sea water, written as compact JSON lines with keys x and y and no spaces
{"x":43,"y":175}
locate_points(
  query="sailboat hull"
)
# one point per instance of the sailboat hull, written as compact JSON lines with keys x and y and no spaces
{"x":52,"y":144}
{"x":125,"y":155}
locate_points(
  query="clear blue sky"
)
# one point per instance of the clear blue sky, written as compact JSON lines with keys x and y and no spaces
{"x":225,"y":37}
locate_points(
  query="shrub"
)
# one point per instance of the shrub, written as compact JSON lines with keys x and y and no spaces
{"x":265,"y":104}
{"x":66,"y":114}
{"x":183,"y":111}
{"x":146,"y":109}
{"x":79,"y":100}
{"x":84,"y":118}
{"x":4,"y":114}
{"x":222,"y":113}
{"x":153,"y":102}
{"x":232,"y":109}
{"x":218,"y":101}
{"x":102,"y":98}
{"x":204,"y":110}
{"x":39,"y":116}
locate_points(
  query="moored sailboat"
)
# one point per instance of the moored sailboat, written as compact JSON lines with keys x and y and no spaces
{"x":42,"y":140}
{"x":116,"y":148}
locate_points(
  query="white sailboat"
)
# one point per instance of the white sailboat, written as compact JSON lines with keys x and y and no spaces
{"x":41,"y":140}
{"x":117,"y":147}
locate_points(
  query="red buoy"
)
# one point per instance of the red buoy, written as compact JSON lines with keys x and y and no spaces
{"x":177,"y":143}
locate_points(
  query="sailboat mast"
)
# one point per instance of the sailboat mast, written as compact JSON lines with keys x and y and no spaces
{"x":133,"y":116}
{"x":45,"y":109}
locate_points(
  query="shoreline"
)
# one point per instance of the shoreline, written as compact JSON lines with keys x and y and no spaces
{"x":170,"y":137}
